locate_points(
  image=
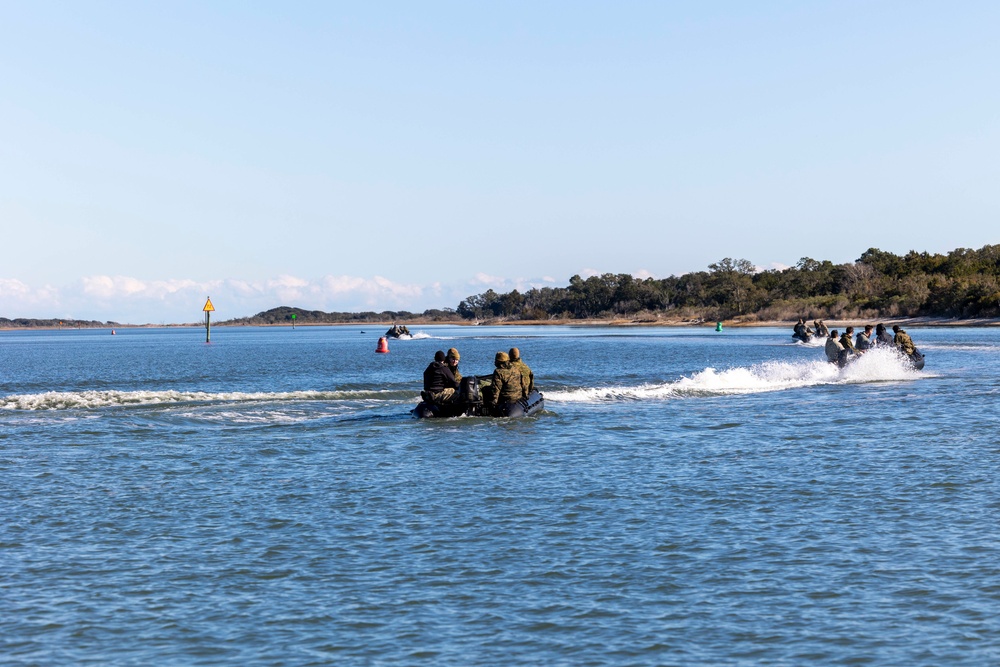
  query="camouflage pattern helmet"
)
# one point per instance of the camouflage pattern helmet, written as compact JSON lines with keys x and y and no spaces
{"x":453,"y":354}
{"x":501,"y":358}
{"x":514,"y":353}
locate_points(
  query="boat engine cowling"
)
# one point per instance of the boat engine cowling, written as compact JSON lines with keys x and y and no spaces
{"x":469,"y":390}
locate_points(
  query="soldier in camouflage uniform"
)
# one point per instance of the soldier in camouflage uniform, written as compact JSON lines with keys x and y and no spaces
{"x":903,"y":341}
{"x":506,"y":384}
{"x":527,"y":377}
{"x":847,"y":340}
{"x":452,"y":360}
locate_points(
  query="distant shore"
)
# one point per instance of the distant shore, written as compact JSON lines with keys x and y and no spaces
{"x":664,"y":322}
{"x":902,"y":321}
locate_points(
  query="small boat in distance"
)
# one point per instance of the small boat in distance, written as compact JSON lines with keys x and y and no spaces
{"x":397,"y":331}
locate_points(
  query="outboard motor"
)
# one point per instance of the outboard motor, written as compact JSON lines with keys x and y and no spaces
{"x":469,"y":390}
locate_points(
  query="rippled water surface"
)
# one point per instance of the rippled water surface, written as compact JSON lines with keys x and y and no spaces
{"x":687,"y":498}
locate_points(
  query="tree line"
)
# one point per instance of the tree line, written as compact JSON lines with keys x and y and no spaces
{"x":284,"y":315}
{"x":963,"y":283}
{"x":28,"y":323}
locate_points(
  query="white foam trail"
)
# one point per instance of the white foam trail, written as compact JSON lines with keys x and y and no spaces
{"x":880,"y":365}
{"x":815,"y":341}
{"x":54,"y":400}
{"x":266,"y":417}
{"x":420,"y":335}
{"x":874,"y":366}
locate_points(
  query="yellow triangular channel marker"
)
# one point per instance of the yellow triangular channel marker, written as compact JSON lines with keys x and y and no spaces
{"x":208,"y":306}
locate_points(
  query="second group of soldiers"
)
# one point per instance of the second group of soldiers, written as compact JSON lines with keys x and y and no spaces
{"x":840,"y":349}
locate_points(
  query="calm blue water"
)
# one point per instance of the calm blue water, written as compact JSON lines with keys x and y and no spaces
{"x":688,"y":498}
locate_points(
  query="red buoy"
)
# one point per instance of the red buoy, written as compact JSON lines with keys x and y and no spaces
{"x":383,"y":345}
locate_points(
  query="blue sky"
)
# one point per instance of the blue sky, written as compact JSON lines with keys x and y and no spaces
{"x":391,"y":155}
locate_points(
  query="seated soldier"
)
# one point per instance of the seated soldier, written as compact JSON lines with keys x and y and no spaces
{"x":527,"y":377}
{"x":452,"y":358}
{"x":799,"y":330}
{"x":864,"y":339}
{"x":505,"y":386}
{"x":847,"y":340}
{"x":439,"y":382}
{"x":903,"y":341}
{"x":882,"y":337}
{"x":833,"y":348}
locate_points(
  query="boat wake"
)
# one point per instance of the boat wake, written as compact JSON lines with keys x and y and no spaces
{"x":815,"y":341}
{"x":984,"y":347}
{"x":417,"y":336}
{"x":89,"y":400}
{"x":874,"y":366}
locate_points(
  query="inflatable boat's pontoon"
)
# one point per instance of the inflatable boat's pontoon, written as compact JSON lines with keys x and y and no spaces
{"x":470,"y":403}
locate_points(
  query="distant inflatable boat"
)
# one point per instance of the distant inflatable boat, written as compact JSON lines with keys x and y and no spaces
{"x":397,"y":331}
{"x":470,"y":403}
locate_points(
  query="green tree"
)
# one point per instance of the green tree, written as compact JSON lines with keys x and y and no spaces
{"x":733,"y":282}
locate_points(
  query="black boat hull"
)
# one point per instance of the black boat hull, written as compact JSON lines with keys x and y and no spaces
{"x":526,"y":407}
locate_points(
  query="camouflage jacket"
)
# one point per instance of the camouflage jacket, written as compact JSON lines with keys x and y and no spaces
{"x":846,"y":341}
{"x":904,"y":342}
{"x":506,"y":385}
{"x":527,"y":377}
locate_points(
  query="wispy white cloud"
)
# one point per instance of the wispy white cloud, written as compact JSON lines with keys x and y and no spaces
{"x":14,"y":293}
{"x":486,"y":279}
{"x":12,"y":288}
{"x":132,"y":300}
{"x":288,"y":289}
{"x":108,"y":287}
{"x":482,"y":281}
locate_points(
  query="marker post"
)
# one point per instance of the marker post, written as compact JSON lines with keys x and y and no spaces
{"x":208,"y":319}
